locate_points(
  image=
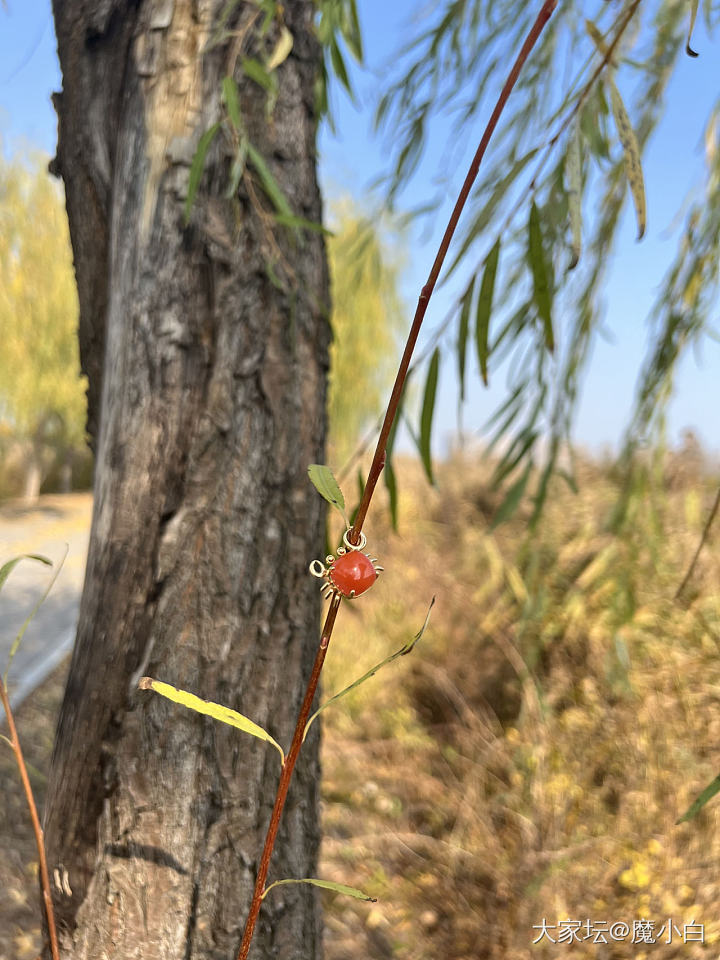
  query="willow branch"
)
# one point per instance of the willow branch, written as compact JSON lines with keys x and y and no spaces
{"x":375,"y":471}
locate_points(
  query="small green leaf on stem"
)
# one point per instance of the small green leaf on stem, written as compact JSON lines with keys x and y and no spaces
{"x":573,"y":169}
{"x":326,"y":885}
{"x":339,"y":67}
{"x":282,"y":49}
{"x":269,"y":183}
{"x":7,"y":568}
{"x":257,"y":72}
{"x":28,"y":620}
{"x":428,"y":409}
{"x":631,"y":150}
{"x":391,"y":484}
{"x":693,"y":16}
{"x":210,"y":709}
{"x":463,"y":328}
{"x":300,"y":223}
{"x":403,"y":651}
{"x":541,"y":285}
{"x":708,"y":793}
{"x":323,"y":479}
{"x":197,"y":166}
{"x":231,"y":96}
{"x":484,"y":307}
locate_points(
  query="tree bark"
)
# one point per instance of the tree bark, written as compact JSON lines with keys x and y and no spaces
{"x":206,"y":404}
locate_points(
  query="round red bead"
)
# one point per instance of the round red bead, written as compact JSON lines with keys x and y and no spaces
{"x":352,"y":572}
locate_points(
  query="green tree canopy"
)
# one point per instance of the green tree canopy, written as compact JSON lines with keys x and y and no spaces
{"x":41,"y":388}
{"x":367,"y":316}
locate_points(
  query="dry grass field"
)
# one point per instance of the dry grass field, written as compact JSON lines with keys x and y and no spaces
{"x":528,"y":760}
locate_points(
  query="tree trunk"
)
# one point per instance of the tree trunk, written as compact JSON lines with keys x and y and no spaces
{"x":206,"y":404}
{"x":33,"y":475}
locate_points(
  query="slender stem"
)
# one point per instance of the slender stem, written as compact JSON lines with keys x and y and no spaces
{"x":285,"y":777}
{"x":379,"y":458}
{"x":703,"y":540}
{"x":39,"y":840}
{"x":375,"y":471}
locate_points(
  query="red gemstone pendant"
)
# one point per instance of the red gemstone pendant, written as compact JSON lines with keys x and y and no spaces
{"x":351,"y":574}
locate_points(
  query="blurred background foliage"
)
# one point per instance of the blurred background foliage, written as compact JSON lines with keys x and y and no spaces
{"x":529,"y":759}
{"x":368,"y":318}
{"x":42,"y":394}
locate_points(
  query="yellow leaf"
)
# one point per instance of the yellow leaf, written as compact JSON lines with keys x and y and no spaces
{"x":210,"y":709}
{"x":282,"y":49}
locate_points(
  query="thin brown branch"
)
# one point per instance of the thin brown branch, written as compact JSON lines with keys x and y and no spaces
{"x":39,"y":839}
{"x":375,"y":471}
{"x":286,"y":776}
{"x":703,"y":540}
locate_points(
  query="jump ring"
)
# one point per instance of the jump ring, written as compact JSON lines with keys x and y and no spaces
{"x":353,"y":546}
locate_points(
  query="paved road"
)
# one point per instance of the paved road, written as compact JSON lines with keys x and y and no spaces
{"x":47,"y":528}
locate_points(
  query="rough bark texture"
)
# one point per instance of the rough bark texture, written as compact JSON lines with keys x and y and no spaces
{"x":207,"y":403}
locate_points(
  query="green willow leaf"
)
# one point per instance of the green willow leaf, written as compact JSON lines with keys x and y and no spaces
{"x":326,"y":885}
{"x":573,"y":168}
{"x":259,"y":74}
{"x":693,"y":16}
{"x":402,"y":652}
{"x":388,"y":471}
{"x":391,"y":484}
{"x":708,"y":793}
{"x":7,"y":568}
{"x":215,"y":710}
{"x":484,"y":308}
{"x":231,"y":96}
{"x":197,"y":166}
{"x":323,"y":479}
{"x":270,"y":184}
{"x":426,"y":416}
{"x":541,"y":285}
{"x":512,"y":498}
{"x":300,"y":223}
{"x":339,"y":67}
{"x":463,"y":328}
{"x":4,"y":573}
{"x":631,"y":150}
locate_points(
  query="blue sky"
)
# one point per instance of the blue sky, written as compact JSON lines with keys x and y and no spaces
{"x":353,"y":158}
